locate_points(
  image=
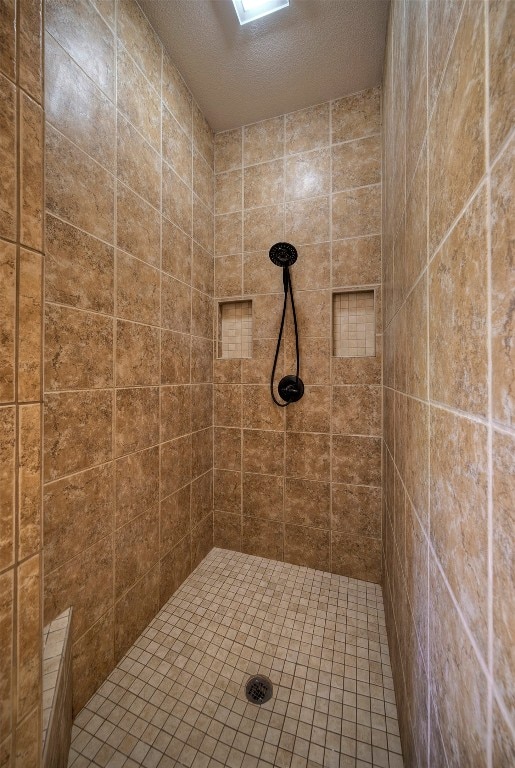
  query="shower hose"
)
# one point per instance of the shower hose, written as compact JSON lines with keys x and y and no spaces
{"x":287,"y":289}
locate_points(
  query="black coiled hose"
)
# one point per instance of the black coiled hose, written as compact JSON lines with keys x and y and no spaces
{"x":287,"y":289}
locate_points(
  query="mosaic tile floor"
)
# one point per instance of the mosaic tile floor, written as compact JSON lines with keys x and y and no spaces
{"x":177,"y":698}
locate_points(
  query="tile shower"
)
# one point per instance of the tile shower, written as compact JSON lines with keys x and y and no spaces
{"x":156,"y":443}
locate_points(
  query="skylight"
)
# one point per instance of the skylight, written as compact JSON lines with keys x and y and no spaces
{"x":249,"y":10}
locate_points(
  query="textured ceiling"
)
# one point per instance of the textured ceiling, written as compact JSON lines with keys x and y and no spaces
{"x":313,"y":51}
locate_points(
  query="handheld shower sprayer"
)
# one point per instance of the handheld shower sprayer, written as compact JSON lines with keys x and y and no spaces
{"x":291,"y":387}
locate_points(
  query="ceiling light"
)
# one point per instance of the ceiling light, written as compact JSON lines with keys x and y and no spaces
{"x":249,"y":10}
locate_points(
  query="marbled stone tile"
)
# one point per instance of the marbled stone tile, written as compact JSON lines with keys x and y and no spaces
{"x":454,"y":667}
{"x":258,"y":409}
{"x":356,"y":163}
{"x":201,"y":451}
{"x":228,"y":150}
{"x":78,"y":349}
{"x":176,"y":147}
{"x":202,"y":270}
{"x":78,"y":512}
{"x":307,"y":503}
{"x":503,"y":285}
{"x":7,"y":484}
{"x":308,"y":547}
{"x":201,"y":498}
{"x":137,"y":484}
{"x":416,"y":222}
{"x":227,"y":446}
{"x":261,"y":227}
{"x":263,"y":496}
{"x":203,"y":181}
{"x":174,"y":568}
{"x":77,"y":107}
{"x":308,"y":456}
{"x":201,"y":540}
{"x":175,"y":459}
{"x":312,"y":270}
{"x":138,"y":37}
{"x":29,"y":480}
{"x":137,"y":290}
{"x":176,"y":251}
{"x":263,"y":184}
{"x":92,"y":660}
{"x":77,"y":430}
{"x":227,"y":400}
{"x":263,"y":451}
{"x":28,"y":641}
{"x":86,"y":38}
{"x":227,"y":491}
{"x":228,"y":234}
{"x":503,"y":745}
{"x":137,"y":99}
{"x":86,"y":582}
{"x":306,"y":129}
{"x":174,"y":519}
{"x":358,"y":557}
{"x":138,"y":165}
{"x":137,"y":226}
{"x":356,"y":410}
{"x":229,"y":191}
{"x":356,"y":460}
{"x":31,"y":173}
{"x":227,"y":531}
{"x":106,"y":9}
{"x":263,"y":141}
{"x":175,"y":411}
{"x":203,"y":223}
{"x":416,"y":82}
{"x":257,"y":369}
{"x":460,"y":540}
{"x":79,"y":270}
{"x":175,"y":358}
{"x":136,"y":549}
{"x":202,"y":135}
{"x":202,"y":414}
{"x":175,"y":304}
{"x":356,"y":509}
{"x":137,"y":354}
{"x":315,"y":359}
{"x":134,"y":610}
{"x":77,"y":188}
{"x":456,"y":130}
{"x":7,"y":319}
{"x":356,"y":261}
{"x":7,"y":637}
{"x":313,"y":314}
{"x":503,"y":494}
{"x":29,"y":325}
{"x":307,"y":221}
{"x":358,"y":370}
{"x":312,"y":413}
{"x":177,"y":199}
{"x":8,"y":186}
{"x":201,"y":315}
{"x":458,"y":314}
{"x":443,"y":20}
{"x":502,"y":115}
{"x":201,"y":360}
{"x":262,"y":538}
{"x":137,"y":419}
{"x":8,"y":52}
{"x":356,"y":116}
{"x":176,"y":96}
{"x":356,"y":212}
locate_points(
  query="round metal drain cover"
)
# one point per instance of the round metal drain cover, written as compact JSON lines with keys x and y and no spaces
{"x":259,"y":689}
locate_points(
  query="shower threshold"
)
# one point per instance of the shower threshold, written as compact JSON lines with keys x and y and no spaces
{"x":177,"y":698}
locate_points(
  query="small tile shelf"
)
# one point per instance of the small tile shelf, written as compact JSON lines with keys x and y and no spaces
{"x":235,"y":329}
{"x":354,"y":324}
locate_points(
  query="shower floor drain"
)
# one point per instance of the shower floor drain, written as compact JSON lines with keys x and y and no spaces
{"x":259,"y":689}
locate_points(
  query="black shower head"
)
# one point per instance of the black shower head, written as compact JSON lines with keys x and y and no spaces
{"x":283,"y":254}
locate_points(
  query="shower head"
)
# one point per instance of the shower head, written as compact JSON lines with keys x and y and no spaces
{"x":283,"y":254}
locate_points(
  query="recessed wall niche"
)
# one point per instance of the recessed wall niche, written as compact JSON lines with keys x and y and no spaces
{"x":354,"y":324}
{"x":235,"y":329}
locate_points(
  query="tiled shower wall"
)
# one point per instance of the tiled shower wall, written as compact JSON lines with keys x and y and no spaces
{"x":448,"y":374}
{"x":21,"y":269}
{"x":302,"y":483}
{"x":128,"y":437}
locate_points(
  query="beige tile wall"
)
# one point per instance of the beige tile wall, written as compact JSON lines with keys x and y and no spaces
{"x":300,"y":484}
{"x":448,"y":374}
{"x":128,"y":439}
{"x":21,"y":271}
